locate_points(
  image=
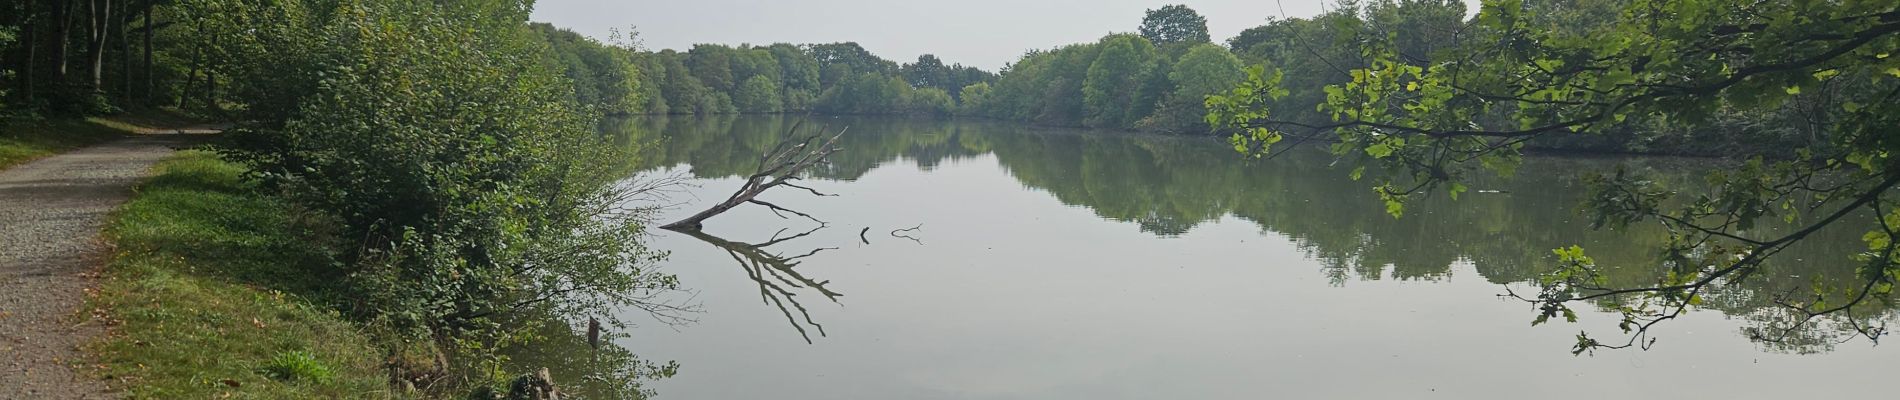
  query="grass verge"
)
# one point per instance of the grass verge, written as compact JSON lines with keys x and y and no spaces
{"x":207,"y":295}
{"x":27,"y":140}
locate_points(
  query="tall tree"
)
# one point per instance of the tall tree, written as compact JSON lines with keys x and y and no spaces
{"x":98,"y":29}
{"x":125,"y":50}
{"x":1205,"y":70}
{"x":798,"y":72}
{"x":758,"y":94}
{"x":1174,"y":24}
{"x":30,"y":22}
{"x":151,"y":83}
{"x":712,"y":64}
{"x":928,"y":71}
{"x":844,"y":61}
{"x":1110,"y":87}
{"x":62,"y":18}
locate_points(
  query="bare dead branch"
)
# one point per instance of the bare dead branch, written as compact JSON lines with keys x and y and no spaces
{"x":778,"y":166}
{"x":776,"y":209}
{"x":814,"y":192}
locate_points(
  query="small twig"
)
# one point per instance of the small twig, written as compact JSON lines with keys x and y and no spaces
{"x":895,"y":233}
{"x":776,"y":209}
{"x":814,"y":192}
{"x":809,"y":254}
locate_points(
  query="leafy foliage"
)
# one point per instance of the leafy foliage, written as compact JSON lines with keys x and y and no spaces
{"x":602,"y":76}
{"x":1205,"y":70}
{"x":1174,"y":24}
{"x":1153,"y":81}
{"x":1111,"y":91}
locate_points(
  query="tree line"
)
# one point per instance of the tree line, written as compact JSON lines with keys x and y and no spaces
{"x":831,"y":78}
{"x":1155,"y":80}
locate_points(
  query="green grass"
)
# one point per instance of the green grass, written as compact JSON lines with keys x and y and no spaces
{"x":25,"y":141}
{"x":295,"y":366}
{"x":22,"y":141}
{"x":211,"y":294}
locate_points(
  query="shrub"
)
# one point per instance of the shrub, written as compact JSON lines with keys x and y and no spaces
{"x":451,"y":148}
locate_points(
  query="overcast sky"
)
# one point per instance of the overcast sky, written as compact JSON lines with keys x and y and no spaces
{"x":982,"y":33}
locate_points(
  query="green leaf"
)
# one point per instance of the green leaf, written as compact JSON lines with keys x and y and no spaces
{"x":1379,"y":150}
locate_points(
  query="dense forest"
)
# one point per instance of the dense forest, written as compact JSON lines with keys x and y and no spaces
{"x":1154,"y":80}
{"x":833,"y":78}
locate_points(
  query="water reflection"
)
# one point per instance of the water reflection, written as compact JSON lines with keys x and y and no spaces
{"x":1056,"y":297}
{"x":582,"y":370}
{"x":778,"y":280}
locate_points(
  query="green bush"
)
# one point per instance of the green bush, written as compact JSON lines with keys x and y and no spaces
{"x":450,"y":147}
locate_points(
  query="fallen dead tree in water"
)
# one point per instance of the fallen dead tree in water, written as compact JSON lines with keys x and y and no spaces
{"x":777,"y":167}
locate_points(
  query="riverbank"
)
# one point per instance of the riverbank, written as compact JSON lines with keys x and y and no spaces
{"x":208,"y":294}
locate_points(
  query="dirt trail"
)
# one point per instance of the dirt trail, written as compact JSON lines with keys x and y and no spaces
{"x":51,"y":211}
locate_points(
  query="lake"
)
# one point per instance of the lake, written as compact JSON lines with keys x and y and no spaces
{"x":1066,"y":264}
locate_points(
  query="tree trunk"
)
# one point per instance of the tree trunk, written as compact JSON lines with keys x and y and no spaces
{"x":150,"y":86}
{"x":211,"y":90}
{"x":62,"y":16}
{"x":197,"y":64}
{"x":101,"y":23}
{"x":32,"y":46}
{"x":125,"y":54}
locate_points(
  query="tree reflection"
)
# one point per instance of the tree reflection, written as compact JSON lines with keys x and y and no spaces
{"x":776,"y":274}
{"x":1168,"y":186}
{"x":581,"y":370}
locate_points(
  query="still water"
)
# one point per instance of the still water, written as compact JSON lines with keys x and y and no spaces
{"x":1064,"y":264}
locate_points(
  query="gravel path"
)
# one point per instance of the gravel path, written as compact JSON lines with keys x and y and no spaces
{"x":51,"y":211}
